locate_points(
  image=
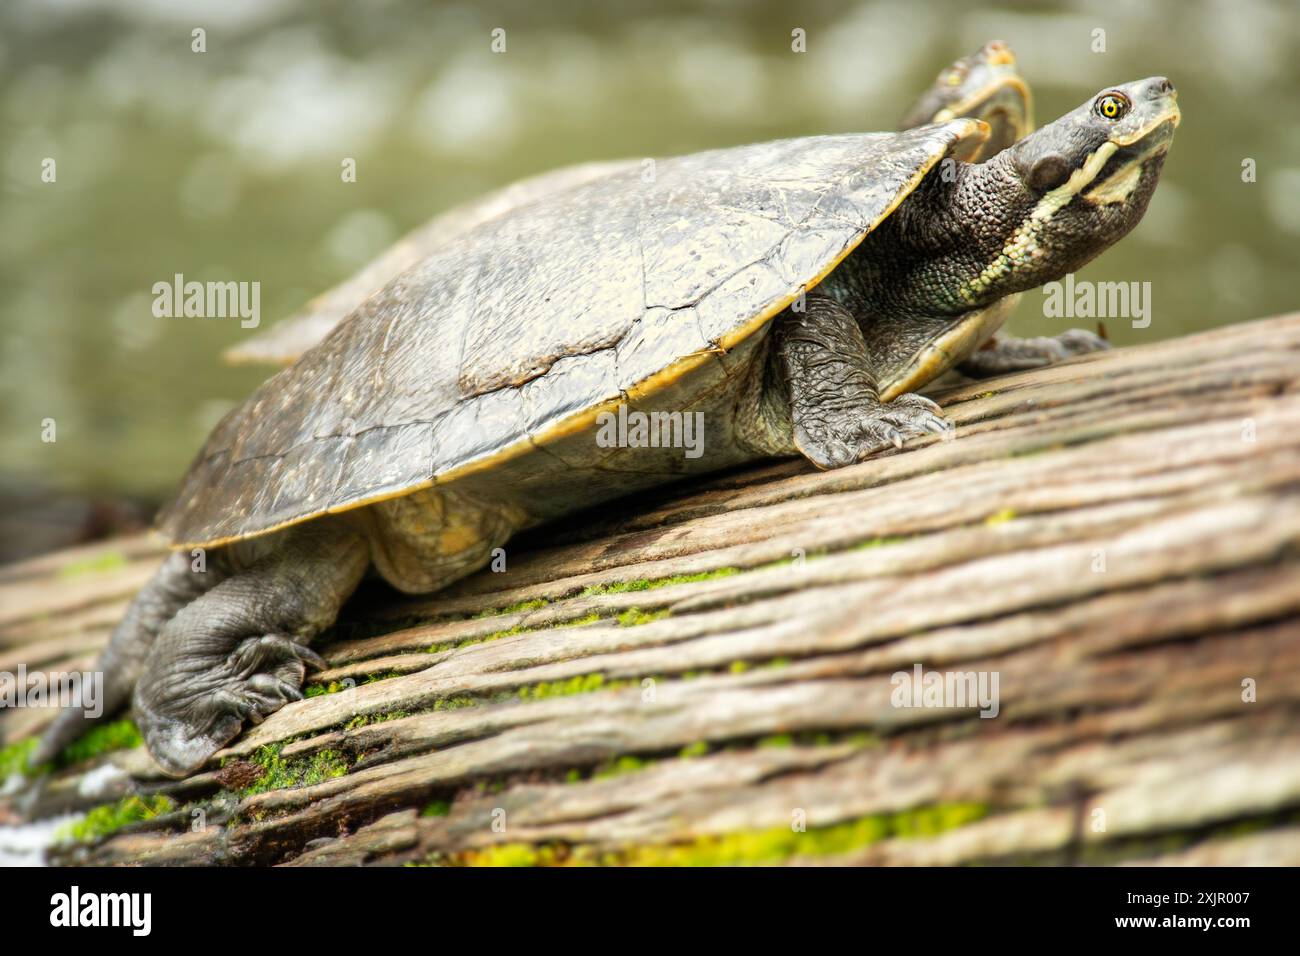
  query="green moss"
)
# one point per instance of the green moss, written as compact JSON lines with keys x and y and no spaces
{"x":591,"y":618}
{"x":518,"y":608}
{"x":877,"y":543}
{"x":782,"y":843}
{"x":437,"y":808}
{"x":506,"y":854}
{"x":579,"y":684}
{"x":365,"y":720}
{"x":623,"y":587}
{"x":101,"y":821}
{"x":96,"y":564}
{"x":15,"y":759}
{"x":772,"y":845}
{"x":931,"y":821}
{"x":624,"y":764}
{"x":697,"y":749}
{"x":101,"y":739}
{"x":455,"y":703}
{"x":335,"y":686}
{"x":777,"y":740}
{"x":322,"y":766}
{"x":1240,"y":828}
{"x":280,"y":774}
{"x":471,"y":641}
{"x":739,"y":667}
{"x":635,"y":617}
{"x":1000,"y":517}
{"x":320,"y":690}
{"x":105,"y":738}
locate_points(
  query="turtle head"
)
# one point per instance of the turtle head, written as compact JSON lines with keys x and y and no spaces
{"x":1064,"y":194}
{"x":984,"y":86}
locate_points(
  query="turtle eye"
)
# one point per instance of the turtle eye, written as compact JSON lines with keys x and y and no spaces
{"x":1112,"y":106}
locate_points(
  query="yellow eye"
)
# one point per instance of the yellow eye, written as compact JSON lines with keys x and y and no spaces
{"x":1112,"y":106}
{"x":955,"y":76}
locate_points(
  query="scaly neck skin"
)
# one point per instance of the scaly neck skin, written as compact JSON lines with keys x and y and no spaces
{"x":924,"y":259}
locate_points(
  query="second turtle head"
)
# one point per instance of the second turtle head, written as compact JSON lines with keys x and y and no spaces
{"x":985,"y":86}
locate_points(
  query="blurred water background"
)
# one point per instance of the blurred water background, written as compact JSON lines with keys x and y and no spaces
{"x":225,"y":165}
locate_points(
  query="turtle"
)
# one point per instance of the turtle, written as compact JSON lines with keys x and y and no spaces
{"x":984,"y":85}
{"x":785,"y":298}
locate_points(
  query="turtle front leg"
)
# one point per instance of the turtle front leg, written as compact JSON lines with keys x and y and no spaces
{"x":1006,"y":353}
{"x":239,"y":653}
{"x":835,"y":407}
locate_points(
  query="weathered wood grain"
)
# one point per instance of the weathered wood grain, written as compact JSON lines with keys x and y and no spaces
{"x":694,"y":675}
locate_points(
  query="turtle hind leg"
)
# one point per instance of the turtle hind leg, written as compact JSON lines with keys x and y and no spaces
{"x":1006,"y":353}
{"x":422,"y":542}
{"x":238,"y":653}
{"x":175,"y":584}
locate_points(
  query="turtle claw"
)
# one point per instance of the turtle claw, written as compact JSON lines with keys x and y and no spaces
{"x":190,"y":711}
{"x":893,"y":422}
{"x":853,"y":434}
{"x":272,"y":686}
{"x":911,"y":399}
{"x":262,"y":696}
{"x":275,"y":650}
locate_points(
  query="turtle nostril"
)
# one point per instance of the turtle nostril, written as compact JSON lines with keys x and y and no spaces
{"x":1159,"y":86}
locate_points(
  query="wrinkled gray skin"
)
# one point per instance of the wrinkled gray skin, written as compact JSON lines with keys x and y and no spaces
{"x":832,"y":382}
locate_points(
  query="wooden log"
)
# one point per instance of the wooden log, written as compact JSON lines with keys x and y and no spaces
{"x":712,"y":674}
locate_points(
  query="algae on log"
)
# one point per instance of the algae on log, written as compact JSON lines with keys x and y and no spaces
{"x":708,"y":677}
